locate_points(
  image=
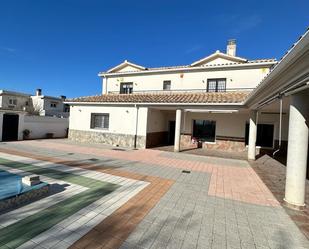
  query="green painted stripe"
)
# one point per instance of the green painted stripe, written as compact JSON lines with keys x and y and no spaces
{"x":20,"y":232}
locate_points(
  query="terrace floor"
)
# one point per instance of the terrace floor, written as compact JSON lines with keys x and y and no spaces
{"x":115,"y":198}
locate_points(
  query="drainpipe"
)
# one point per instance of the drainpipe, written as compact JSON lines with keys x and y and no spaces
{"x":136,"y":126}
{"x":280,"y":129}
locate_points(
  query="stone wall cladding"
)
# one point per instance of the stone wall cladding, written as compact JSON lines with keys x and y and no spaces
{"x":226,"y":145}
{"x":186,"y":142}
{"x":115,"y":139}
{"x":233,"y":144}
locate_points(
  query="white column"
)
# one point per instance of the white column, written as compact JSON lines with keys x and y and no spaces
{"x":177,"y":130}
{"x":252,"y":136}
{"x":1,"y":124}
{"x":104,"y":85}
{"x":297,"y":151}
{"x":21,"y":122}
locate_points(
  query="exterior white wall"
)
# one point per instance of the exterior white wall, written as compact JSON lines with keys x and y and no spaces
{"x":40,"y":125}
{"x":229,"y":125}
{"x":235,"y":78}
{"x":157,"y":121}
{"x":234,"y":124}
{"x":122,"y":119}
{"x":127,"y":68}
{"x":217,"y":61}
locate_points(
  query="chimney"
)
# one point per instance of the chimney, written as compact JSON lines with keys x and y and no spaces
{"x":231,"y":47}
{"x":38,"y":92}
{"x":63,"y":97}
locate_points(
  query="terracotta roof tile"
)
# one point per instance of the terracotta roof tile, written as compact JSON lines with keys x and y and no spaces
{"x":172,"y":97}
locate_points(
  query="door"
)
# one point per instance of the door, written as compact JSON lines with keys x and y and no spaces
{"x":264,"y":136}
{"x":171,"y":132}
{"x":10,"y":127}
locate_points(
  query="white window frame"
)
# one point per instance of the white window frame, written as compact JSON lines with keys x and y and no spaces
{"x":216,"y":89}
{"x":126,"y":88}
{"x":167,"y":83}
{"x":104,"y":126}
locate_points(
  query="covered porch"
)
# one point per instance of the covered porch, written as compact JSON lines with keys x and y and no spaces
{"x":218,"y":131}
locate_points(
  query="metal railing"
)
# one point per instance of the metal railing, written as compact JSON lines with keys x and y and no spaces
{"x":183,"y":90}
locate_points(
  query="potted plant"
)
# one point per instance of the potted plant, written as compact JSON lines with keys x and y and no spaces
{"x":26,"y":134}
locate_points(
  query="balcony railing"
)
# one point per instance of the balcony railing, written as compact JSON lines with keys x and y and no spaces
{"x":183,"y":90}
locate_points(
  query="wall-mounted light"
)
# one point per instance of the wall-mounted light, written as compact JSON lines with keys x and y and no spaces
{"x":135,"y":83}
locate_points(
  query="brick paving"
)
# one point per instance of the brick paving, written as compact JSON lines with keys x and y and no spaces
{"x":220,"y":204}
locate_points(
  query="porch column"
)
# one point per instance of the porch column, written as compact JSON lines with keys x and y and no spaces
{"x":252,"y":135}
{"x":21,"y":125}
{"x":297,"y":151}
{"x":177,"y":130}
{"x":1,"y":124}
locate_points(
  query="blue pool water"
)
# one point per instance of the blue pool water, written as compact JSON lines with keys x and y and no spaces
{"x":11,"y":185}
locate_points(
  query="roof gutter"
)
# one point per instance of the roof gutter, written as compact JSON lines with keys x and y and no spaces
{"x":154,"y":104}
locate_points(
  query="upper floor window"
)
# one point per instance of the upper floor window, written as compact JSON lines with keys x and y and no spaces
{"x":12,"y":101}
{"x":126,"y":88}
{"x":166,"y":85}
{"x":99,"y":121}
{"x":53,"y":105}
{"x":216,"y":85}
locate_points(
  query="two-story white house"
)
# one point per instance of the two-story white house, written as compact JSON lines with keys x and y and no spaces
{"x":202,"y":102}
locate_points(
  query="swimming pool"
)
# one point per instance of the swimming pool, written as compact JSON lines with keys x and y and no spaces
{"x":11,"y":185}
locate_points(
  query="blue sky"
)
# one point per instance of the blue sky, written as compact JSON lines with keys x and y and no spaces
{"x":60,"y":46}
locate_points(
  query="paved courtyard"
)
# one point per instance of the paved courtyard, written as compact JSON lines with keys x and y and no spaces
{"x":115,"y":198}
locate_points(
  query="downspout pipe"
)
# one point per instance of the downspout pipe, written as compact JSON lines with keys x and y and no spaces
{"x":136,"y":127}
{"x":280,"y":129}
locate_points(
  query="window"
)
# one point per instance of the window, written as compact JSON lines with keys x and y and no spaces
{"x":126,"y":88}
{"x":216,"y":85}
{"x":204,"y":130}
{"x":12,"y":101}
{"x":99,"y":120}
{"x":53,"y":105}
{"x":166,"y":85}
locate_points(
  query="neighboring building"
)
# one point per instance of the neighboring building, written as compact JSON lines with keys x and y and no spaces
{"x":42,"y":116}
{"x":16,"y":101}
{"x":34,"y":104}
{"x":138,"y":104}
{"x":50,"y":106}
